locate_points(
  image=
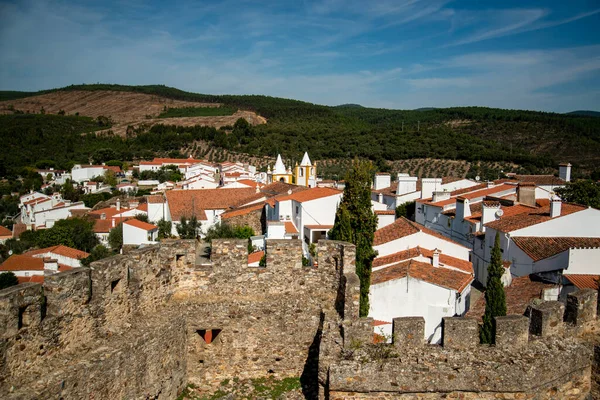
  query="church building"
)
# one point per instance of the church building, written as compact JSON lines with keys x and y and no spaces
{"x":304,"y":174}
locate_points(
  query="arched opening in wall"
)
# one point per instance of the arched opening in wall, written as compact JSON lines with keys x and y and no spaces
{"x":114,"y":285}
{"x":282,"y":180}
{"x":208,"y":335}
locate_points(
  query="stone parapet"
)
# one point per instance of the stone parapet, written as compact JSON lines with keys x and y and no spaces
{"x":460,"y":333}
{"x":512,"y":331}
{"x":408,"y":332}
{"x":547,"y":318}
{"x":581,"y":307}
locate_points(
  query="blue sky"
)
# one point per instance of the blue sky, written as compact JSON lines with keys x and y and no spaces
{"x":538,"y":55}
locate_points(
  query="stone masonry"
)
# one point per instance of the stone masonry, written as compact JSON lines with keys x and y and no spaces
{"x":145,"y":324}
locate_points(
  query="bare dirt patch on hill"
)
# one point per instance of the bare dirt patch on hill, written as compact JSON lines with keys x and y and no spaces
{"x":123,"y":108}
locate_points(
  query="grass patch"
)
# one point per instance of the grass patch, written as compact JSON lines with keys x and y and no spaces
{"x":197,"y":112}
{"x":259,"y":388}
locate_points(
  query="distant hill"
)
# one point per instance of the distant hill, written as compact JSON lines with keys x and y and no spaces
{"x":533,"y":140}
{"x":349,"y":105}
{"x":585,"y":113}
{"x":424,"y":109}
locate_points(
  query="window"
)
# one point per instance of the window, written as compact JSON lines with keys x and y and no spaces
{"x":297,"y":210}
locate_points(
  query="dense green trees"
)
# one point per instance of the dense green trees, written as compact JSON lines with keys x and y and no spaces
{"x":115,"y":237}
{"x":8,"y":279}
{"x":469,"y":133}
{"x":356,"y":223}
{"x":99,"y":252}
{"x":581,"y":192}
{"x":164,"y":229}
{"x":495,"y":298}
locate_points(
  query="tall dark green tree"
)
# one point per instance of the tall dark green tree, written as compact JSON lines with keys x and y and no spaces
{"x":356,"y":223}
{"x":495,"y":298}
{"x":582,"y":192}
{"x":188,"y":229}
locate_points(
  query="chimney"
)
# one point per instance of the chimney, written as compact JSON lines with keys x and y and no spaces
{"x":382,"y":181}
{"x":526,"y":193}
{"x":103,"y":216}
{"x":490,"y":184}
{"x":380,"y":198}
{"x":440,"y":196}
{"x":436,"y":258}
{"x":429,"y":185}
{"x":490,"y":211}
{"x":50,"y":265}
{"x":406,"y":184}
{"x":113,"y":222}
{"x":564,"y":172}
{"x":555,"y":206}
{"x":463,"y":209}
{"x":118,"y":204}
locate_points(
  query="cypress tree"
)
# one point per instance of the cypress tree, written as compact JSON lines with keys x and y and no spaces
{"x":495,"y":298}
{"x":356,"y":223}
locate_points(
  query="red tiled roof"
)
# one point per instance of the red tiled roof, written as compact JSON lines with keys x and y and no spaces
{"x":402,"y":227}
{"x":583,"y":281}
{"x":507,"y":211}
{"x":518,"y":296}
{"x":255,"y":257}
{"x":311,"y":194}
{"x":143,"y":207}
{"x":103,"y":225}
{"x":290,"y":228}
{"x":404,"y":255}
{"x":540,"y":179}
{"x":185,"y":203}
{"x":155,"y":199}
{"x":242,"y":210}
{"x":385,"y":212}
{"x":439,"y":276}
{"x":474,"y":194}
{"x":31,"y":279}
{"x":141,"y":224}
{"x":377,"y":322}
{"x":318,"y":227}
{"x":109,"y":212}
{"x":5,"y":231}
{"x":18,"y":229}
{"x":60,"y":250}
{"x":535,"y":216}
{"x":539,"y":248}
{"x":22,"y":262}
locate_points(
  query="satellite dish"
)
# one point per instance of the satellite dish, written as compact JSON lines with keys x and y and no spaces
{"x":477,"y":178}
{"x":499,"y":213}
{"x":10,"y":252}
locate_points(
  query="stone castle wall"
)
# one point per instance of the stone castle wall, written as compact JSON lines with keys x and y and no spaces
{"x":145,"y":324}
{"x":536,"y":357}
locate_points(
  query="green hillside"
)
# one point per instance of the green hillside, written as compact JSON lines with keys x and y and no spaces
{"x":528,"y":138}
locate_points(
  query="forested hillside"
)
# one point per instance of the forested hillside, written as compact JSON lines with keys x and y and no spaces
{"x":469,"y":133}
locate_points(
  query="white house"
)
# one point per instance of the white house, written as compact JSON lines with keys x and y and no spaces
{"x":311,"y":212}
{"x":136,"y":232}
{"x":127,"y":187}
{"x":404,"y":234}
{"x":82,"y":173}
{"x":64,"y":255}
{"x":409,"y":188}
{"x":419,"y":282}
{"x":35,"y":264}
{"x":542,"y":240}
{"x":156,"y":164}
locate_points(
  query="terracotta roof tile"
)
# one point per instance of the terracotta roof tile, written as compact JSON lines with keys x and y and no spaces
{"x":143,"y":207}
{"x":31,"y":279}
{"x":540,"y":179}
{"x":155,"y":199}
{"x":243,"y":210}
{"x":463,"y":265}
{"x":255,"y":257}
{"x":103,"y":225}
{"x":377,"y":322}
{"x":439,"y":276}
{"x":290,"y":228}
{"x":60,"y":250}
{"x":518,"y":296}
{"x":22,"y":262}
{"x":400,"y":228}
{"x":385,"y":212}
{"x":539,"y":248}
{"x":535,"y":216}
{"x":473,"y":194}
{"x":141,"y":224}
{"x":318,"y":227}
{"x":311,"y":194}
{"x":185,"y":203}
{"x":5,"y":231}
{"x":583,"y":281}
{"x":108,"y":212}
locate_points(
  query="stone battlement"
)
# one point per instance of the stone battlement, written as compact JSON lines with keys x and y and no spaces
{"x":145,"y":324}
{"x":537,"y":355}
